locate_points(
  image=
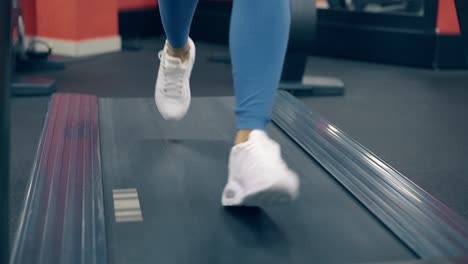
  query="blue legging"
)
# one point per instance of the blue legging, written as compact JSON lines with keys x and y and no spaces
{"x":258,"y":41}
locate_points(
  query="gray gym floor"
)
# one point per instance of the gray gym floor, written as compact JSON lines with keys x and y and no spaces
{"x":412,"y":118}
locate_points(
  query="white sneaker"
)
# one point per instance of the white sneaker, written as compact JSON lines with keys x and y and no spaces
{"x":258,"y":174}
{"x":172,"y":90}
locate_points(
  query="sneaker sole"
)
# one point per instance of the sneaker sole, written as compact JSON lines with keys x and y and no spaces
{"x":268,"y":198}
{"x":278,"y":193}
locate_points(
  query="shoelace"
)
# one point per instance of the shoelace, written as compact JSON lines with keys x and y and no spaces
{"x":173,"y":78}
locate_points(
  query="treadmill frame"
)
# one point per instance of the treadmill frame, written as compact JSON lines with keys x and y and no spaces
{"x":424,"y":224}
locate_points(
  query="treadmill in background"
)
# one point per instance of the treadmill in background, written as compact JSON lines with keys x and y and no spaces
{"x":35,"y":56}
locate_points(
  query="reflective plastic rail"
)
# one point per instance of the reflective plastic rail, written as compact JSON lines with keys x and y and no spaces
{"x":426,"y":225}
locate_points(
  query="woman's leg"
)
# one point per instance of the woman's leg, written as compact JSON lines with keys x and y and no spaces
{"x":177,"y":17}
{"x":258,"y":174}
{"x":172,"y":89}
{"x":258,"y":41}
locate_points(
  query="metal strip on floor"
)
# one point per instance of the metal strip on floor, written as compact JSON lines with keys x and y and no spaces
{"x":63,"y":216}
{"x":425,"y":224}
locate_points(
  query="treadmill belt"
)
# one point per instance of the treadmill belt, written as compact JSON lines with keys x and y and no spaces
{"x":178,"y":171}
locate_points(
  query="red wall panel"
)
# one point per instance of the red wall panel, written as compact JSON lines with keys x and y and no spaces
{"x":136,"y":4}
{"x":447,"y":20}
{"x":56,"y":19}
{"x":78,"y":19}
{"x":96,"y":19}
{"x":29,"y":16}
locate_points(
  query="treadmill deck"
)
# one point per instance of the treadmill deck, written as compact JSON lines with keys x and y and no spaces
{"x":179,"y":170}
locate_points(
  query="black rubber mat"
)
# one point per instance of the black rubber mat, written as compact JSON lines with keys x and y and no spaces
{"x":179,"y":170}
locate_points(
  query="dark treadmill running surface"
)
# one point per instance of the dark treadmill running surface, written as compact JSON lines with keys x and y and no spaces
{"x":179,"y":170}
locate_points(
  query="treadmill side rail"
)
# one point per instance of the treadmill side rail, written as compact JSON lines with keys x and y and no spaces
{"x":63,"y":216}
{"x":425,"y":224}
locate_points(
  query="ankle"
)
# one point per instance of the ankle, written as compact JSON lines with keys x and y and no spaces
{"x":181,"y":53}
{"x":242,"y":136}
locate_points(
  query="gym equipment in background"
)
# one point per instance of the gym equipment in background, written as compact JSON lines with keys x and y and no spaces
{"x":378,"y":6}
{"x":30,"y":57}
{"x":385,"y":6}
{"x":301,"y":42}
